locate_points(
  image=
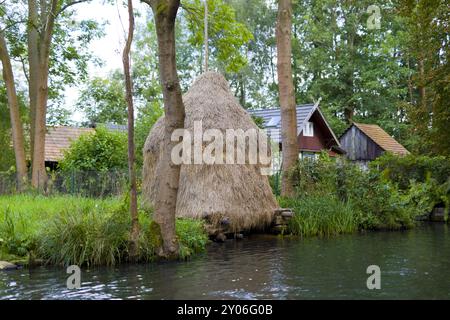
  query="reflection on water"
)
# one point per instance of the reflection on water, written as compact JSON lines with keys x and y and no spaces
{"x":414,"y":264}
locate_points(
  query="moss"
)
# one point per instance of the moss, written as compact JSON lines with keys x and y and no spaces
{"x":155,"y":236}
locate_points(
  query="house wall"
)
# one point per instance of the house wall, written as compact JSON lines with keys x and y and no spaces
{"x":319,"y":141}
{"x":359,"y":146}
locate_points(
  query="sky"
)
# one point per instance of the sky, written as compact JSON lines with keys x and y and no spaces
{"x":108,"y":48}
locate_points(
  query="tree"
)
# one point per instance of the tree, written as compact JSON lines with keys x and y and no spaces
{"x":426,"y":46}
{"x":226,"y":36}
{"x":287,"y":95}
{"x":7,"y":157}
{"x":165,"y":12}
{"x":134,"y":234}
{"x":103,"y":99}
{"x":16,"y":123}
{"x":255,"y":83}
{"x":42,"y":16}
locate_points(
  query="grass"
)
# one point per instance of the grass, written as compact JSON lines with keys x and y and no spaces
{"x":320,"y":216}
{"x":74,"y":230}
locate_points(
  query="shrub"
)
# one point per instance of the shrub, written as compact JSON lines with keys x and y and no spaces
{"x":402,"y":170}
{"x":102,"y":151}
{"x":376,"y":203}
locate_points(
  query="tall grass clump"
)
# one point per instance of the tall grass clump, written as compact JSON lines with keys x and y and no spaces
{"x":73,"y":230}
{"x":320,"y":216}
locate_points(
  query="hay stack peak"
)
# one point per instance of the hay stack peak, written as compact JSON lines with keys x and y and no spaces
{"x":235,"y":195}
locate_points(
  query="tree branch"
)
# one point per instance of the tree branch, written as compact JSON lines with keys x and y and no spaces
{"x":63,"y":8}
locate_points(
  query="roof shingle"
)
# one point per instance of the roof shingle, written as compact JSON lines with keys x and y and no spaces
{"x":382,"y":138}
{"x":58,"y":139}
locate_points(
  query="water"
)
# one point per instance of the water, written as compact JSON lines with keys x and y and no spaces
{"x":414,"y":264}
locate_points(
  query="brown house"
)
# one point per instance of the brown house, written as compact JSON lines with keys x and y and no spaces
{"x":313,"y":131}
{"x":366,"y":142}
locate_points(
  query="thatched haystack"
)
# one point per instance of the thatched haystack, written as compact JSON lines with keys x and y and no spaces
{"x":236,"y":196}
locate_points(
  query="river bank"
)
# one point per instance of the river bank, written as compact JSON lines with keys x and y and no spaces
{"x":65,"y":230}
{"x":414,"y":265}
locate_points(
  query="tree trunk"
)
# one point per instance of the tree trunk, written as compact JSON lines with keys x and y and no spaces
{"x":16,"y":123}
{"x":39,"y":74}
{"x":286,"y":93}
{"x":33,"y":63}
{"x":165,"y":12}
{"x":134,"y":234}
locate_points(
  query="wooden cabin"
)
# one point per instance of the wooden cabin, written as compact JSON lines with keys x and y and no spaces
{"x":366,"y":142}
{"x":313,"y":131}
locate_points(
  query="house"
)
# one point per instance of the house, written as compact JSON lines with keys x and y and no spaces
{"x":59,"y":138}
{"x":313,"y":132}
{"x":365,"y":142}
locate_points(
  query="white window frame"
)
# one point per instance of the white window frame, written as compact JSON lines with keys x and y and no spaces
{"x":308,"y":129}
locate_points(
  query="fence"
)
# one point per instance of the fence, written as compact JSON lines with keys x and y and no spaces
{"x":97,"y":184}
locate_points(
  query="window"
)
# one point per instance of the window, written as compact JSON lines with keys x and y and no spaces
{"x":305,"y":155}
{"x":308,"y":129}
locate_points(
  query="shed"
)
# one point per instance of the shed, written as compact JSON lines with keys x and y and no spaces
{"x":365,"y":142}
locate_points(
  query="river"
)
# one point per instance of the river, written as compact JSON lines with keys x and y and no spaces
{"x":414,"y":264}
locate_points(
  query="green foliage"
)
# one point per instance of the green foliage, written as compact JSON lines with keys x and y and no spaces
{"x":226,"y":36}
{"x":7,"y":159}
{"x":70,"y":53}
{"x":425,"y":179}
{"x":73,"y":230}
{"x":375,"y":202}
{"x":146,"y":119}
{"x":100,"y":151}
{"x":191,"y":236}
{"x":259,"y":121}
{"x":103,"y":100}
{"x":401,"y":170}
{"x":319,"y":215}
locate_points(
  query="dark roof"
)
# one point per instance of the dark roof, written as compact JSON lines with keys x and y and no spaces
{"x":381,"y":138}
{"x":272,"y":119}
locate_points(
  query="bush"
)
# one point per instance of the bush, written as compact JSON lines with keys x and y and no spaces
{"x":102,"y":151}
{"x":376,"y":203}
{"x":402,"y":170}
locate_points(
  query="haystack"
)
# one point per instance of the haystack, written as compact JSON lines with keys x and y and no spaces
{"x":236,"y":196}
